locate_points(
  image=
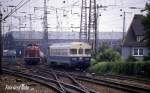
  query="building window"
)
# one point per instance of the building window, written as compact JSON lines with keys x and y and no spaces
{"x":135,"y":52}
{"x":139,"y":38}
{"x":141,"y":52}
{"x":138,"y":52}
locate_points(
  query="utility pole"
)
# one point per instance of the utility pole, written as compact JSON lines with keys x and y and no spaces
{"x":124,"y":25}
{"x":124,"y":20}
{"x":19,"y":24}
{"x":11,"y":23}
{"x":45,"y":37}
{"x":1,"y":41}
{"x":58,"y":23}
{"x":1,"y":36}
{"x":30,"y":18}
{"x":19,"y":19}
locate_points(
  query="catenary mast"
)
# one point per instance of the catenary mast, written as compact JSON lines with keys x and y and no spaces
{"x":45,"y":28}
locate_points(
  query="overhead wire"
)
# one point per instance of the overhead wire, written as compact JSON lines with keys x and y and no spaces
{"x":16,"y":8}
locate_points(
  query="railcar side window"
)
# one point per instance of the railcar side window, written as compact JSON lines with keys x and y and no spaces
{"x":87,"y":51}
{"x":73,"y":51}
{"x":80,"y":51}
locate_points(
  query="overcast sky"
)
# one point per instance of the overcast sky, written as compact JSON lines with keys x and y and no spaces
{"x":68,"y":14}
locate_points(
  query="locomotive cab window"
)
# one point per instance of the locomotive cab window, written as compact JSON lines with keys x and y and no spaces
{"x":80,"y":51}
{"x":73,"y":51}
{"x":87,"y":51}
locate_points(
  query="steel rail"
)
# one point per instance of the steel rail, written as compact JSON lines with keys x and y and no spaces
{"x":59,"y":84}
{"x":31,"y":77}
{"x":126,"y":87}
{"x":40,"y":78}
{"x":63,"y":83}
{"x":65,"y":74}
{"x":110,"y":83}
{"x":145,"y":81}
{"x":75,"y":81}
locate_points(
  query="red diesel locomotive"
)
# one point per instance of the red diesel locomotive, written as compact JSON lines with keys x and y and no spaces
{"x":33,"y":54}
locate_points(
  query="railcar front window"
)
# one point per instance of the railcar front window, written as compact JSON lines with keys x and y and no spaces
{"x":87,"y":51}
{"x":73,"y":51}
{"x":80,"y":51}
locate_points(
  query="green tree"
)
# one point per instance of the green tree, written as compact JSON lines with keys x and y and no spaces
{"x":107,"y":54}
{"x":146,"y":23}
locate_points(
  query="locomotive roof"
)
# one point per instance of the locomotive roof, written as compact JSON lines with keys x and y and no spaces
{"x":69,"y":45}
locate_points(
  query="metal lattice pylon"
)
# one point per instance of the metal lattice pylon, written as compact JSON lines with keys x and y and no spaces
{"x":92,"y":25}
{"x":88,"y":25}
{"x":83,"y":24}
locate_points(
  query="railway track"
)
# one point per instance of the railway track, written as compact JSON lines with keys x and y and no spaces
{"x":65,"y":78}
{"x":129,"y":78}
{"x":79,"y":82}
{"x":56,"y":84}
{"x":114,"y":82}
{"x":35,"y":78}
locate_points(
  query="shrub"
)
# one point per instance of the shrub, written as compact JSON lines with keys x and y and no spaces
{"x":138,"y":68}
{"x":108,"y":55}
{"x":131,"y":59}
{"x":93,"y":61}
{"x":146,"y":58}
{"x":146,"y":69}
{"x":101,"y":67}
{"x":126,"y":68}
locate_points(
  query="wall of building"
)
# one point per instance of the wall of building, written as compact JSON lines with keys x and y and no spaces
{"x":128,"y":51}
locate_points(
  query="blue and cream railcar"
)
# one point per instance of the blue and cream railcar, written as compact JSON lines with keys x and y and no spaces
{"x":74,"y":54}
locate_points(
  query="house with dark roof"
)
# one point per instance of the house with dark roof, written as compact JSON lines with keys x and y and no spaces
{"x":133,"y":43}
